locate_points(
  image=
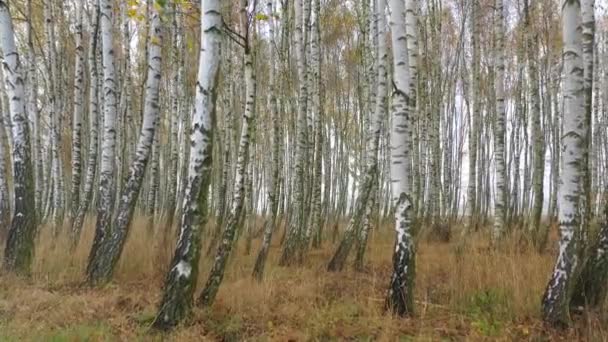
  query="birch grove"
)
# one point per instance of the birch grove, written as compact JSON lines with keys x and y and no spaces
{"x":309,"y":129}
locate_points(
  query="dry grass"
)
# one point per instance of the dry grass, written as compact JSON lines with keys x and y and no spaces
{"x":471,"y":293}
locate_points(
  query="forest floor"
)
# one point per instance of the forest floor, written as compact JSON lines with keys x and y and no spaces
{"x":471,"y":293}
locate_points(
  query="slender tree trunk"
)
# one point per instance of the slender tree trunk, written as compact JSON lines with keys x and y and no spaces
{"x":89,"y":180}
{"x":33,"y":112}
{"x":54,"y":118}
{"x":233,"y":223}
{"x":113,"y":244}
{"x":587,"y":41}
{"x":499,"y":150}
{"x":370,"y":174}
{"x":77,"y":116}
{"x":271,"y":221}
{"x":539,"y":141}
{"x":177,"y":83}
{"x":472,"y":210}
{"x":296,"y":228}
{"x":315,"y":224}
{"x":5,"y":209}
{"x":108,"y":148}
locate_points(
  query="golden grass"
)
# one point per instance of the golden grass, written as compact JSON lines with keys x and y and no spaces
{"x":472,"y":293}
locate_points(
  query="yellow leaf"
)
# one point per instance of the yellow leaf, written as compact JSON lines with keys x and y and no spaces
{"x":131,"y":12}
{"x":261,"y":17}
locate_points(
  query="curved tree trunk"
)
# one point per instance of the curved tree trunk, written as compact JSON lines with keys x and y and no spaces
{"x":234,"y":222}
{"x":371,"y":169}
{"x":181,"y":278}
{"x":113,"y":244}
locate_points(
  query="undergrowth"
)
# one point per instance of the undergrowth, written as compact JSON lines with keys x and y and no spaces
{"x":479,"y":293}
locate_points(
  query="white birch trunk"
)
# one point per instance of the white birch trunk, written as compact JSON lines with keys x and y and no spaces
{"x":91,"y":167}
{"x":273,"y":193}
{"x":174,"y":119}
{"x":472,"y":209}
{"x":181,"y":278}
{"x":400,"y":297}
{"x":233,"y":223}
{"x":19,"y":251}
{"x":297,"y":228}
{"x":77,"y":115}
{"x":5,"y":209}
{"x":113,"y":244}
{"x":499,"y":149}
{"x":108,"y":148}
{"x":556,"y":299}
{"x":33,"y":112}
{"x":370,"y":175}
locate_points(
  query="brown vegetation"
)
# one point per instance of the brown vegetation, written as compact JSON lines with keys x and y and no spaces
{"x":471,"y":293}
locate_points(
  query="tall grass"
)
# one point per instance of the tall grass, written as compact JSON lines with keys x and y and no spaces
{"x":471,"y":293}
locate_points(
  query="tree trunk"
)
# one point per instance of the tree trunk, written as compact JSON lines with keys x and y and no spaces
{"x":234,"y":224}
{"x":89,"y":180}
{"x":370,"y":174}
{"x":181,"y":278}
{"x":400,"y":297}
{"x":77,"y":115}
{"x":557,"y":295}
{"x":111,"y":247}
{"x":19,"y":251}
{"x":499,"y":150}
{"x":273,"y":193}
{"x":108,"y":148}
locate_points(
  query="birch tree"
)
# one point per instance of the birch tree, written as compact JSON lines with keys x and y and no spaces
{"x":591,"y":289}
{"x":472,"y":209}
{"x":587,"y":43}
{"x":296,"y":228}
{"x":19,"y":250}
{"x":108,"y":147}
{"x":556,"y":300}
{"x":400,"y":297}
{"x":499,"y":150}
{"x":238,"y":195}
{"x":180,"y":283}
{"x":5,"y":210}
{"x":178,"y":70}
{"x":371,"y":171}
{"x":113,"y":243}
{"x":77,"y":113}
{"x":539,"y":141}
{"x":33,"y":112}
{"x":273,"y":193}
{"x":91,"y":164}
